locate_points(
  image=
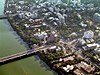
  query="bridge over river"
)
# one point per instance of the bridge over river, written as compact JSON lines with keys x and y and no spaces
{"x":21,"y":55}
{"x":3,"y":17}
{"x":17,"y":56}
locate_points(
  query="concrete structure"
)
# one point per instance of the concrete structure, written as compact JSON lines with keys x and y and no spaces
{"x":97,"y":17}
{"x":68,"y":68}
{"x":82,"y":24}
{"x":41,"y":35}
{"x":21,"y":2}
{"x":61,"y":18}
{"x":17,"y":56}
{"x":75,"y":2}
{"x":54,"y":1}
{"x":78,"y":72}
{"x":88,"y":34}
{"x":88,"y":68}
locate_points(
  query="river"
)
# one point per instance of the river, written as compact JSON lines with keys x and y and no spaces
{"x":10,"y":43}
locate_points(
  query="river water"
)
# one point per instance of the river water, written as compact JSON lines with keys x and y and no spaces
{"x":10,"y":43}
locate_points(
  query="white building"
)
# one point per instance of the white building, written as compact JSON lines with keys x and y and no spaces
{"x":83,"y":24}
{"x":81,"y":42}
{"x":21,"y":2}
{"x":41,"y":35}
{"x":68,"y":68}
{"x":88,"y":34}
{"x":21,"y":15}
{"x":75,"y":2}
{"x":97,"y":17}
{"x":27,"y":26}
{"x":55,"y":1}
{"x":61,"y":18}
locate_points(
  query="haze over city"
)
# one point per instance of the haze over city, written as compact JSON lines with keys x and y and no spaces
{"x":50,"y":37}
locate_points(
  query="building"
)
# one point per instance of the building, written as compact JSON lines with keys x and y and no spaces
{"x":75,"y":2}
{"x":71,"y":58}
{"x":53,"y":37}
{"x":78,"y":72}
{"x":68,"y":68}
{"x":27,"y":25}
{"x":81,"y":42}
{"x":93,"y":46}
{"x":21,"y":2}
{"x":73,"y":35}
{"x":54,"y":49}
{"x":41,"y":35}
{"x":61,"y":18}
{"x":86,"y":67}
{"x":54,"y":1}
{"x":83,"y":25}
{"x":97,"y":17}
{"x":88,"y":34}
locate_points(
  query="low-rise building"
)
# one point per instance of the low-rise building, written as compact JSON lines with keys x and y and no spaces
{"x":41,"y":35}
{"x":96,"y":17}
{"x":88,"y":68}
{"x":21,"y":2}
{"x":71,"y":58}
{"x":26,"y":25}
{"x":79,"y":72}
{"x":54,"y":49}
{"x":83,"y":25}
{"x":68,"y":68}
{"x":88,"y":34}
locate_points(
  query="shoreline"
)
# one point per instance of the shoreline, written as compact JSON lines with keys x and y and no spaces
{"x":23,"y":41}
{"x":37,"y":55}
{"x":40,"y":54}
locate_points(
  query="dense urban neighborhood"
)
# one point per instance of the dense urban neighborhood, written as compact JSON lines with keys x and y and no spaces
{"x":67,"y":31}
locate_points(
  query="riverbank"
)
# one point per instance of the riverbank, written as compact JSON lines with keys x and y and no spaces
{"x":25,"y":41}
{"x":56,"y":52}
{"x":10,"y":43}
{"x":29,"y":47}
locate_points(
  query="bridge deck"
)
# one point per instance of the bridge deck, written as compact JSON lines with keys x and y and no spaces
{"x":3,"y":16}
{"x":17,"y":55}
{"x":20,"y":55}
